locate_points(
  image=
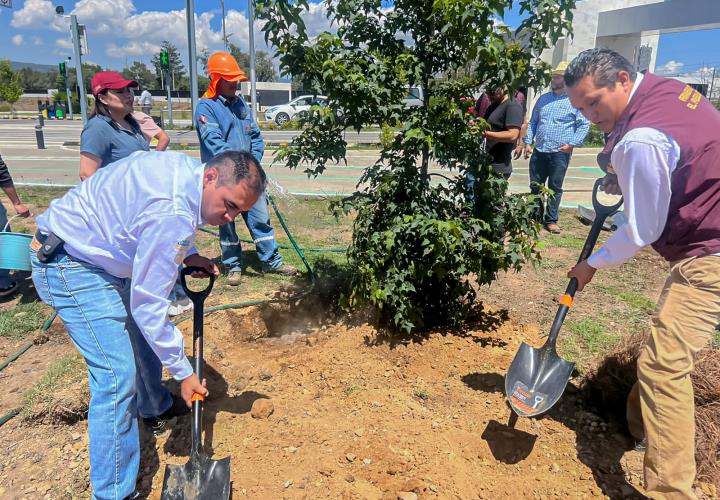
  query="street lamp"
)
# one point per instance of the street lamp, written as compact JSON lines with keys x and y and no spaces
{"x":75,"y":33}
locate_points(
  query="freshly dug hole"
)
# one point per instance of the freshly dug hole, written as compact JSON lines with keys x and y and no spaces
{"x":609,"y":380}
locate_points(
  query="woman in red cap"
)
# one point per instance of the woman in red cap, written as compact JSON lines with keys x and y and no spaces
{"x":111,"y":133}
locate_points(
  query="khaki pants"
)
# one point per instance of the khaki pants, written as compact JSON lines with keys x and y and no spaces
{"x":661,"y":405}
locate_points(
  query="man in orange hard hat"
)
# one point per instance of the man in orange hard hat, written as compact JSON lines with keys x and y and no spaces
{"x":225,"y":122}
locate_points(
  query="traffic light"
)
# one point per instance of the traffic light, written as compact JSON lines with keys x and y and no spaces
{"x":62,"y":69}
{"x":164,"y":61}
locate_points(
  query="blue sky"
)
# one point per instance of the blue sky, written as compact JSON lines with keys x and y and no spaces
{"x":128,"y":30}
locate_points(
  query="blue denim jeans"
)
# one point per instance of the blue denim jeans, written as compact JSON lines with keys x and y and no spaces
{"x":550,"y":168}
{"x":5,"y":279}
{"x":124,"y":374}
{"x":257,"y":220}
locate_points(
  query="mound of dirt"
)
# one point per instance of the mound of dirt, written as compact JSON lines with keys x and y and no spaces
{"x":342,"y":412}
{"x":608,"y":383}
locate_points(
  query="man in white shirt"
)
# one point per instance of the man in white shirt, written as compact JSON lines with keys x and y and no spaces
{"x":146,"y":101}
{"x":109,"y":250}
{"x":662,"y":154}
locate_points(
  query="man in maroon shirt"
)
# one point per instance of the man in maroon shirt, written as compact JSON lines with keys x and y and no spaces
{"x":664,"y":149}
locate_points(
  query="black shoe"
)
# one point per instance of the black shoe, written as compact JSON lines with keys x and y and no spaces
{"x":167,"y":419}
{"x":641,"y":445}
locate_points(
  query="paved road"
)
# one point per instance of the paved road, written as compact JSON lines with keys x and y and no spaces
{"x":58,"y":164}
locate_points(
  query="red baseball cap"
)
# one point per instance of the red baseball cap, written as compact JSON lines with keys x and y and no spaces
{"x":110,"y":80}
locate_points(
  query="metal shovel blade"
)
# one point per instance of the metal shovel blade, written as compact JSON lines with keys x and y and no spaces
{"x":536,"y":379}
{"x":199,"y":479}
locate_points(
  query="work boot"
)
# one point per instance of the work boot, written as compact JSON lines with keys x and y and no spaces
{"x":553,"y":228}
{"x":234,"y":277}
{"x":283,"y":270}
{"x":167,"y":419}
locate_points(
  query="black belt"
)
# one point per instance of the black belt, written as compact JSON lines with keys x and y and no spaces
{"x":51,"y":246}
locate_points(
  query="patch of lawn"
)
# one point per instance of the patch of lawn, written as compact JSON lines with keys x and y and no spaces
{"x":17,"y":322}
{"x":61,"y":373}
{"x":564,"y":241}
{"x":638,"y":302}
{"x":592,"y":333}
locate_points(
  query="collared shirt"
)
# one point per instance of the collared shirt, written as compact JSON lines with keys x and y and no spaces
{"x":146,"y":98}
{"x":554,"y":122}
{"x":137,"y":220}
{"x":110,"y":143}
{"x":227,"y":124}
{"x":644,"y":161}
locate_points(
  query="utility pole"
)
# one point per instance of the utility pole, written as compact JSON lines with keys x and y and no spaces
{"x":712,"y":83}
{"x":190,"y":15}
{"x":251,"y":21}
{"x":222,"y":7}
{"x":78,"y":67}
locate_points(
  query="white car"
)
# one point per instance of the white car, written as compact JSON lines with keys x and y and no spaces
{"x":284,"y":112}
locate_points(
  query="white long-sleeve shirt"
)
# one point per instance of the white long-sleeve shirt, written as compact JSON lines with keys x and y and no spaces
{"x":644,"y":161}
{"x":137,"y":220}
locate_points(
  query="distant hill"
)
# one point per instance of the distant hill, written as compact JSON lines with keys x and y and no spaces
{"x":36,"y":67}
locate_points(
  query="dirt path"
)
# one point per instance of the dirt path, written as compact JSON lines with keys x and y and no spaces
{"x":353,"y":417}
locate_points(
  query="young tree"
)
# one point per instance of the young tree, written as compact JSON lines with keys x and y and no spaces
{"x":416,"y":241}
{"x":10,"y":89}
{"x":141,"y":73}
{"x":177,"y":70}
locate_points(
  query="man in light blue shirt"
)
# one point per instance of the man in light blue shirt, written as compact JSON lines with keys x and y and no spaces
{"x":108,"y":251}
{"x":556,"y":128}
{"x":224,"y":121}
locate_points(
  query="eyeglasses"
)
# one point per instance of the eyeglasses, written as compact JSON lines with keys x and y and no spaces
{"x":124,"y":90}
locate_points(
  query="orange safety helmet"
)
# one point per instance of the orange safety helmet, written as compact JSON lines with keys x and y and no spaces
{"x":222,"y":65}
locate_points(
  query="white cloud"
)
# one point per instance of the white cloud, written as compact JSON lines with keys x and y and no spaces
{"x":64,"y":43}
{"x":104,"y":16}
{"x":37,"y":41}
{"x":18,"y":40}
{"x":670,"y":68}
{"x":135,"y":48}
{"x":34,"y":14}
{"x":38,"y":14}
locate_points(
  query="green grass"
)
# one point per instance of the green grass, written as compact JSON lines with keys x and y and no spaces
{"x":715,"y":341}
{"x":23,"y":319}
{"x":351,"y":389}
{"x":591,"y":333}
{"x":564,"y":241}
{"x":64,"y":371}
{"x":638,"y":302}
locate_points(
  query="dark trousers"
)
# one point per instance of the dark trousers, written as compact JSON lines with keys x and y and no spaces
{"x":550,"y":168}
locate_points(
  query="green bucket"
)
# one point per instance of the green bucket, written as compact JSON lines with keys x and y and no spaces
{"x":15,"y":250}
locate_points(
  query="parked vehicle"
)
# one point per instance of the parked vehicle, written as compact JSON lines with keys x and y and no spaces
{"x":285,"y":112}
{"x":414,"y":97}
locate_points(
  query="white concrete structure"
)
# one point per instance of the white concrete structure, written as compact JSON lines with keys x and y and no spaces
{"x":632,"y":27}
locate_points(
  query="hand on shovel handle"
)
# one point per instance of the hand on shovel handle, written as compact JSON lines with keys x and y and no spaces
{"x":583,"y":273}
{"x":191,"y":386}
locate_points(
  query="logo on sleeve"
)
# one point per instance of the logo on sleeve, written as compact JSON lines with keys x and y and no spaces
{"x":202,"y":119}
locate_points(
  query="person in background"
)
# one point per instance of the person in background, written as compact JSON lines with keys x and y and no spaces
{"x":152,"y":130}
{"x":664,"y":148}
{"x":225,"y":122}
{"x":8,"y":285}
{"x":505,"y":117}
{"x":556,"y":128}
{"x":111,"y":133}
{"x":146,"y":101}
